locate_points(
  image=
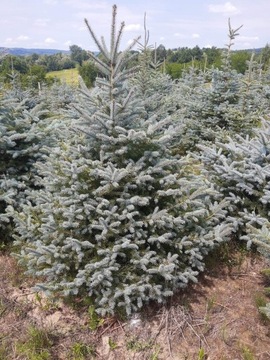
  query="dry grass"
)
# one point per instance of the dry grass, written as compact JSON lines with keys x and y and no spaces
{"x":215,"y":319}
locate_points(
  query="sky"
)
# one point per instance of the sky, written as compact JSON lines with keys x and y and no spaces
{"x":57,"y":24}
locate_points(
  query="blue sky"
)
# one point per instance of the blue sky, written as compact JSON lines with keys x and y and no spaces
{"x":173,"y":23}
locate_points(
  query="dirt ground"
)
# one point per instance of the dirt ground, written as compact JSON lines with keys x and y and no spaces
{"x":216,"y":319}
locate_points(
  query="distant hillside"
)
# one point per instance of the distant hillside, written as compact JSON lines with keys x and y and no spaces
{"x":256,"y":51}
{"x":24,"y":52}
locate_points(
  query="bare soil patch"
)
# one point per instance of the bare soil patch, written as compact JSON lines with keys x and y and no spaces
{"x":216,"y":319}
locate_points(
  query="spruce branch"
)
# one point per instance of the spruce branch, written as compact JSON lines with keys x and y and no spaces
{"x":117,"y":43}
{"x":114,"y":11}
{"x":232,"y":34}
{"x":105,"y":47}
{"x":144,"y":46}
{"x":99,"y":45}
{"x":101,"y":65}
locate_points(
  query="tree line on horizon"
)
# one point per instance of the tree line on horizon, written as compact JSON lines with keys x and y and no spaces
{"x":32,"y":69}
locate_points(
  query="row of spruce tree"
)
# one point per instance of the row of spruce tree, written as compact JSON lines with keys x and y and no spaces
{"x":117,"y":193}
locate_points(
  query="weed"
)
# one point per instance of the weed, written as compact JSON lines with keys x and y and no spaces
{"x":20,"y":311}
{"x":37,"y":344}
{"x":266,"y":273}
{"x":201,"y":354}
{"x":265,"y":313}
{"x":154,"y":355}
{"x":38,"y":298}
{"x":94,"y":320}
{"x":4,"y":248}
{"x":136,"y":345}
{"x":113,"y":345}
{"x":17,"y":275}
{"x":185,"y":302}
{"x":4,"y":351}
{"x":80,"y":351}
{"x":261,"y":304}
{"x":46,"y":304}
{"x":3,"y":307}
{"x":267,"y":291}
{"x":231,"y":254}
{"x":260,"y":300}
{"x":209,"y":307}
{"x":225,"y":334}
{"x":75,"y":303}
{"x":210,"y":303}
{"x":247,"y":353}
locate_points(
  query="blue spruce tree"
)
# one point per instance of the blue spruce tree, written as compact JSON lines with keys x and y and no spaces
{"x":119,"y":218}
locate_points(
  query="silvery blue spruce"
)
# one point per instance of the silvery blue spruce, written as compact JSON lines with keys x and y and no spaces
{"x":119,"y":219}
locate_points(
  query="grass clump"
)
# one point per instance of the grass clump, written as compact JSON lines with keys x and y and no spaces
{"x":4,"y":350}
{"x":247,"y":353}
{"x":37,"y":345}
{"x":81,"y":351}
{"x":136,"y":345}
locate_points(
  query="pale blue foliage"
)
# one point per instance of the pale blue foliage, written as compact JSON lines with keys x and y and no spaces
{"x":119,"y":218}
{"x":241,"y":169}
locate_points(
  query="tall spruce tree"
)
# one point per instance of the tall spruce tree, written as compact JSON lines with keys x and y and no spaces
{"x":119,"y":219}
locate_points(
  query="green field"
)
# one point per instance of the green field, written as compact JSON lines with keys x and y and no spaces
{"x":69,"y":76}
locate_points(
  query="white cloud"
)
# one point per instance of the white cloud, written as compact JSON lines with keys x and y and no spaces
{"x":14,"y":41}
{"x":133,"y":27}
{"x":226,"y":9}
{"x":4,"y":21}
{"x":84,"y":5}
{"x":68,"y":43}
{"x":23,"y":37}
{"x":130,"y":41}
{"x":248,"y":38}
{"x":9,"y":40}
{"x":247,"y":41}
{"x":82,"y":28}
{"x":51,"y":2}
{"x":50,"y":41}
{"x":41,"y":22}
{"x":195,"y":36}
{"x":179,"y":35}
